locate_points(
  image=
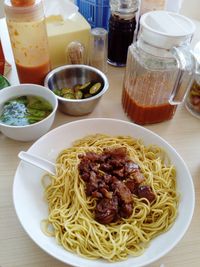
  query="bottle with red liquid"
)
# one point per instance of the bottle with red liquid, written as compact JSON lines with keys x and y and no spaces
{"x":28,"y":36}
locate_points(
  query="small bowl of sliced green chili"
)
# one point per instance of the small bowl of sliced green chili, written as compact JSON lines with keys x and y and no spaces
{"x":27,"y":111}
{"x":77,"y":87}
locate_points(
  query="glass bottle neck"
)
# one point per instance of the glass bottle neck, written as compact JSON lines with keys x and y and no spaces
{"x":124,"y":6}
{"x":124,"y":16}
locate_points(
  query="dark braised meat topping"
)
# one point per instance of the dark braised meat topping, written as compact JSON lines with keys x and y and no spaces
{"x":122,"y":191}
{"x":107,"y":210}
{"x":112,"y":178}
{"x":144,"y":191}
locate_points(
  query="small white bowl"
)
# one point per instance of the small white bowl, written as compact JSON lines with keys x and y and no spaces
{"x":35,"y":130}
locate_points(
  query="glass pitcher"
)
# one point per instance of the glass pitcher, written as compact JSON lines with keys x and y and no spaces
{"x":159,"y":67}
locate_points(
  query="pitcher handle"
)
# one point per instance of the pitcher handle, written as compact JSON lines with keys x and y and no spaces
{"x":186,"y":69}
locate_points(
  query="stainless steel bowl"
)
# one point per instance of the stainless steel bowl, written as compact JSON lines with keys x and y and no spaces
{"x":71,"y":75}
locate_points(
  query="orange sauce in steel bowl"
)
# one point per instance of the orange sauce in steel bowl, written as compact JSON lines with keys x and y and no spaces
{"x":33,"y":74}
{"x":146,"y":114}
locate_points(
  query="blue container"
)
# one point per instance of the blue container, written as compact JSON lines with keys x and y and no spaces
{"x":96,"y":12}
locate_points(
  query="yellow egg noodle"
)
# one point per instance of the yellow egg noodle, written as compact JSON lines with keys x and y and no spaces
{"x":71,"y":217}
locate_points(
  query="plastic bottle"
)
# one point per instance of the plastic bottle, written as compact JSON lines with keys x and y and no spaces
{"x":28,"y":36}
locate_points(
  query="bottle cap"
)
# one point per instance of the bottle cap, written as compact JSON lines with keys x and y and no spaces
{"x":166,"y":29}
{"x":22,"y":2}
{"x":26,"y":12}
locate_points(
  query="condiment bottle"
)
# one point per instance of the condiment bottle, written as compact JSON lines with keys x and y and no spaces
{"x":28,"y":36}
{"x":159,"y":68}
{"x":192,"y":102}
{"x":98,"y":49}
{"x":122,"y":25}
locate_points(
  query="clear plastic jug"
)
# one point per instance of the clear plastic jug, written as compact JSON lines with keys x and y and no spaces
{"x":159,"y":68}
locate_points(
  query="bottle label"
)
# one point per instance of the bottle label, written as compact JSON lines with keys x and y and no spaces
{"x":29,"y":42}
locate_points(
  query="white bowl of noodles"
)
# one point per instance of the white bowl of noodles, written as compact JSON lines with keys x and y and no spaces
{"x":27,"y":189}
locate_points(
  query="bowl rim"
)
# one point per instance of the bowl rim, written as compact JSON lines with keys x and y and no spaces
{"x":29,"y":85}
{"x":78,"y":66}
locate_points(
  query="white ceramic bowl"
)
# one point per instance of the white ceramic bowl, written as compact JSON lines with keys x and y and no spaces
{"x":32,"y":131}
{"x":27,"y":189}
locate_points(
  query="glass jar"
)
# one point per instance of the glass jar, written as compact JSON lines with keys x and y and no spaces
{"x":159,"y":68}
{"x":98,"y":49}
{"x":28,"y":36}
{"x":122,"y":25}
{"x":192,"y":102}
{"x":193,"y":99}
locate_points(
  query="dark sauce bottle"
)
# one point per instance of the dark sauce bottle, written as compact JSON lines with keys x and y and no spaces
{"x":122,"y":25}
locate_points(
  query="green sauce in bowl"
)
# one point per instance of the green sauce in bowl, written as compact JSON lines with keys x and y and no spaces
{"x":25,"y":110}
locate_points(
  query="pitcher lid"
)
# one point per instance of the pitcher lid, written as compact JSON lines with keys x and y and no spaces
{"x":166,"y":29}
